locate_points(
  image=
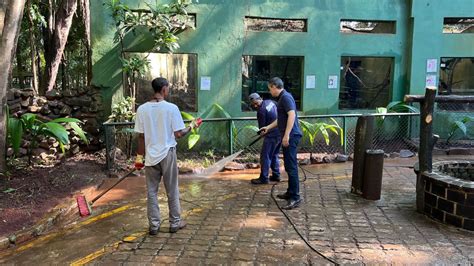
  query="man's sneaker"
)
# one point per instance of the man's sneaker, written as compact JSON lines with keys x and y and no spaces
{"x":292,"y":204}
{"x":258,"y":181}
{"x":181,"y":225}
{"x":275,"y":178}
{"x":153,"y":232}
{"x":284,"y":196}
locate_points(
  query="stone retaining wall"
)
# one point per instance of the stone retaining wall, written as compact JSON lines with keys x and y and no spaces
{"x":82,"y":103}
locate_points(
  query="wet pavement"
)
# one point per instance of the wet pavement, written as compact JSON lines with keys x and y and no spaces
{"x":232,"y":222}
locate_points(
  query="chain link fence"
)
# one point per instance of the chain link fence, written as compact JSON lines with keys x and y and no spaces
{"x":454,"y":123}
{"x":224,"y":136}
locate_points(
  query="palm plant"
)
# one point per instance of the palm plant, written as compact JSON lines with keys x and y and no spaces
{"x":312,"y":130}
{"x":30,"y":127}
{"x":459,"y":125}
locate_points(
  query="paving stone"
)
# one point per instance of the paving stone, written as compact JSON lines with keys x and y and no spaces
{"x":140,"y":258}
{"x":248,"y":228}
{"x":164,"y":259}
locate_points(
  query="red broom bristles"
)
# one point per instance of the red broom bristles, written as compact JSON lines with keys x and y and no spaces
{"x":83,"y":206}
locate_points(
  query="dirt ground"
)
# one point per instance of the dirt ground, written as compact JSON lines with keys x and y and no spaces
{"x":27,"y":194}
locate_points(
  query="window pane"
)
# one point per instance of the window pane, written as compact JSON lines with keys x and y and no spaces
{"x":257,"y":70}
{"x":179,"y":69}
{"x":458,"y":25}
{"x":456,"y":77}
{"x":367,"y":27}
{"x":274,"y":24}
{"x":366,"y":82}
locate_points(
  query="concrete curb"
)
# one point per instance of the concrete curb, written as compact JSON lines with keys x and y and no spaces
{"x":48,"y":222}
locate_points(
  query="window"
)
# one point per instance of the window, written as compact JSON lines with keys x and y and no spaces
{"x":458,"y":25}
{"x":257,"y":70}
{"x":367,"y":27}
{"x":274,"y":24}
{"x":366,"y":82}
{"x":179,"y":69}
{"x":456,"y":77}
{"x":190,"y":21}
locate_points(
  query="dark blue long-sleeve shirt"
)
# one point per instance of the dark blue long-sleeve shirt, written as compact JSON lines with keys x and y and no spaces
{"x":266,"y":114}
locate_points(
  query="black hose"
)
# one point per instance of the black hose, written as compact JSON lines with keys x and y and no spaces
{"x":293,"y":224}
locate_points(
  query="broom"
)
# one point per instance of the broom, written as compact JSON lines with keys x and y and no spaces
{"x":85,"y":207}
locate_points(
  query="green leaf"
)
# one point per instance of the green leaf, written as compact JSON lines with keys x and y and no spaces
{"x":392,"y":104}
{"x":28,"y":120}
{"x":332,"y":128}
{"x":65,"y":120}
{"x":78,"y":131}
{"x":15,"y":131}
{"x":9,"y":190}
{"x":186,"y":116}
{"x":400,"y":107}
{"x":57,"y":131}
{"x":381,"y":110}
{"x":192,"y":140}
{"x":251,"y":127}
{"x":325,"y":134}
{"x":467,"y":119}
{"x":61,"y":146}
{"x":461,"y":126}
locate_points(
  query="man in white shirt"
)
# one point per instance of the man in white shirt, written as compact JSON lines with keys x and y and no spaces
{"x":159,"y":124}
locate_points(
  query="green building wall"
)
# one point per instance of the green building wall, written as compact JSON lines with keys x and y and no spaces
{"x":220,"y":40}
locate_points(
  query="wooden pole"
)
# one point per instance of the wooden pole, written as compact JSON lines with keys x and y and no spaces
{"x":427,"y":141}
{"x":363,"y":141}
{"x":426,"y":130}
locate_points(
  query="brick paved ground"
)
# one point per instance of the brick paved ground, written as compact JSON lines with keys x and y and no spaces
{"x":232,"y":222}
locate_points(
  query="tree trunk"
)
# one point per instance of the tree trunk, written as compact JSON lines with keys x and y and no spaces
{"x":86,"y":19}
{"x":63,"y":23}
{"x":34,"y":70}
{"x":47,"y":43}
{"x":20,"y":67}
{"x":64,"y":73}
{"x":10,"y":32}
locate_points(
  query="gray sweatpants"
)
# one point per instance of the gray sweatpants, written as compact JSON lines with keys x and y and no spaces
{"x":168,"y":169}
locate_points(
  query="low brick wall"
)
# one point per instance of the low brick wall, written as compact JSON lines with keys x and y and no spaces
{"x":449,"y":193}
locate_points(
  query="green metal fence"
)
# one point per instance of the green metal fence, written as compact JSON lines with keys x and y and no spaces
{"x":394,"y":132}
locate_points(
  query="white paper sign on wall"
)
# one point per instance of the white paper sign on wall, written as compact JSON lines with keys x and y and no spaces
{"x":431,"y":81}
{"x":205,"y":83}
{"x":332,"y":82}
{"x":311,"y":82}
{"x":432,"y":65}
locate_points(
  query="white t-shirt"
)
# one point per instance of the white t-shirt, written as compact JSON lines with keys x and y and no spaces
{"x":158,"y":121}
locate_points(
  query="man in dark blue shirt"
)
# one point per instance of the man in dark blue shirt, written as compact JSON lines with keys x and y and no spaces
{"x":266,"y":114}
{"x":290,"y":131}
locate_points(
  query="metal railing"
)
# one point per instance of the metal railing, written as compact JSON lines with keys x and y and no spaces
{"x":394,"y":132}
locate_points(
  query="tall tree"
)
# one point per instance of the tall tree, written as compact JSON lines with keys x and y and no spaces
{"x":86,"y":18}
{"x":53,"y":55}
{"x":32,"y":39}
{"x":11,"y":28}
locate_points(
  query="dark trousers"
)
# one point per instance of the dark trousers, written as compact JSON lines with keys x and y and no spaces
{"x":269,"y":158}
{"x":291,"y":167}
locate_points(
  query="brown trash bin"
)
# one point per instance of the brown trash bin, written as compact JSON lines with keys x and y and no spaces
{"x":373,"y":171}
